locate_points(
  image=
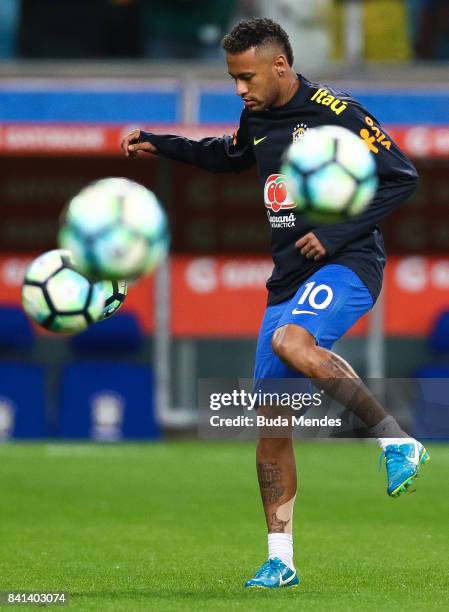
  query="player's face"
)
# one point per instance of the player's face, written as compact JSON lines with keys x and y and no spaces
{"x":256,"y":77}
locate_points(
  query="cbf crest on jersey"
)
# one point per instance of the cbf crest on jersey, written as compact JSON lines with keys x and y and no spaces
{"x":299,"y":131}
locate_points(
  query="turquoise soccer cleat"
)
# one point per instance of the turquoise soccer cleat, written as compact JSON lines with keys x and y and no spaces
{"x":403,"y":462}
{"x":272,"y":575}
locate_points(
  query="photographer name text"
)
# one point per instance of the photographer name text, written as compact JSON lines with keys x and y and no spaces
{"x":278,"y":421}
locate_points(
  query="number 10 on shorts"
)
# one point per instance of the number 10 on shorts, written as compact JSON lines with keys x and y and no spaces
{"x":316,"y":296}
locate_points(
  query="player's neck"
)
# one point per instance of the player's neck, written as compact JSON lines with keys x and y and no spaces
{"x":291,"y":87}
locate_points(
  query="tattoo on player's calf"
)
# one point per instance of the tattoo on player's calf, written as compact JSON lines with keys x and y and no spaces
{"x":344,"y":386}
{"x":337,"y":367}
{"x":277,"y":525}
{"x":270,"y":477}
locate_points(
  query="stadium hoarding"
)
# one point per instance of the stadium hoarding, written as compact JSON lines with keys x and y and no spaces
{"x":97,"y":138}
{"x":224,"y":297}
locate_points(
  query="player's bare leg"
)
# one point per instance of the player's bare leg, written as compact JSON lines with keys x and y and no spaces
{"x":296,"y":347}
{"x":276,"y":472}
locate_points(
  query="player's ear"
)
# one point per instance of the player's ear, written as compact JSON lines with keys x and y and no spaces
{"x":280,"y":64}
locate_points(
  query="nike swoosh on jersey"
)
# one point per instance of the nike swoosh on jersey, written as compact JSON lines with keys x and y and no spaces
{"x":296,"y":311}
{"x":259,"y":140}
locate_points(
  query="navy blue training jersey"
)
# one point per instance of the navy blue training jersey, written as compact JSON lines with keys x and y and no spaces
{"x":261,"y":140}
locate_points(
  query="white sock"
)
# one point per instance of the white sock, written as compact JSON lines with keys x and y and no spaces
{"x":280,"y":545}
{"x":384,"y":442}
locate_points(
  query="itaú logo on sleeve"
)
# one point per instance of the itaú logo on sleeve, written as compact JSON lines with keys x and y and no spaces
{"x":276,"y":196}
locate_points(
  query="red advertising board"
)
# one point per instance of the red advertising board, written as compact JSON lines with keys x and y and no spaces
{"x":416,"y":291}
{"x":226,"y":296}
{"x":104,"y":139}
{"x":222,"y":296}
{"x":215,"y":296}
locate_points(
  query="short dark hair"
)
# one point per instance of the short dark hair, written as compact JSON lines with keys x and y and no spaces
{"x":256,"y":33}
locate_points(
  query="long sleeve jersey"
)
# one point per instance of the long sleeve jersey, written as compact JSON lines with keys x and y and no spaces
{"x":262,"y":139}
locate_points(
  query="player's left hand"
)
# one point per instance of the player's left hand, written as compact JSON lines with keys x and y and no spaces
{"x":311,"y":247}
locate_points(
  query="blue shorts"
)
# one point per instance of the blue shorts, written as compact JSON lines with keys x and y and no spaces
{"x":327,"y":305}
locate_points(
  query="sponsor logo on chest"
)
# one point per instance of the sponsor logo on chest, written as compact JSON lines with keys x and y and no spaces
{"x":324,"y":97}
{"x":277,"y":199}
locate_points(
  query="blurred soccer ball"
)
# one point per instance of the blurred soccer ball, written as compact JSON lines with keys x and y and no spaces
{"x":330,"y":174}
{"x":115,"y":294}
{"x":58,"y":296}
{"x":115,"y":229}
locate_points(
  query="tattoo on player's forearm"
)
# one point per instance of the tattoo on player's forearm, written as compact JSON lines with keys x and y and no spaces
{"x":276,"y":525}
{"x":270,"y":477}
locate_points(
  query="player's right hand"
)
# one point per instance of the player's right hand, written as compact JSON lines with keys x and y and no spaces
{"x":131,"y":145}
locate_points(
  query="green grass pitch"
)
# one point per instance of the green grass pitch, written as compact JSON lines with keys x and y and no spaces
{"x":179,"y":526}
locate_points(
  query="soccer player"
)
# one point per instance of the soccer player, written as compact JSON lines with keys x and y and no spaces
{"x":345,"y":260}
